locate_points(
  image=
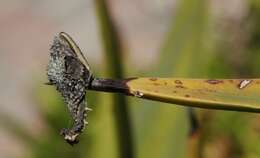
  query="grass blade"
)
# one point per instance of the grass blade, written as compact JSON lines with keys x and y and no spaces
{"x":184,"y":42}
{"x":114,"y":64}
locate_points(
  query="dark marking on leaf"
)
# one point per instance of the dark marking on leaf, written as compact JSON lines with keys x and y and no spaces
{"x":180,"y":86}
{"x":178,"y":82}
{"x":214,"y":81}
{"x":187,"y":95}
{"x":153,"y":79}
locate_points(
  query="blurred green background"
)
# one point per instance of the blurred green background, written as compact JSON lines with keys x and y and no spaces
{"x":159,"y":38}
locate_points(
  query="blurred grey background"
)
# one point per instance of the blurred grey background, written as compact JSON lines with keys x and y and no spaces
{"x":27,"y":28}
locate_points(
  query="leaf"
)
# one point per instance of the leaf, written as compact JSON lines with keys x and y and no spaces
{"x":225,"y":94}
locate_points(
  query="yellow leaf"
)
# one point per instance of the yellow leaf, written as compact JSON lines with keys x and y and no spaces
{"x":225,"y":94}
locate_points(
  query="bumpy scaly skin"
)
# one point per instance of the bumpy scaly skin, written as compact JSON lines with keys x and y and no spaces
{"x":71,"y":79}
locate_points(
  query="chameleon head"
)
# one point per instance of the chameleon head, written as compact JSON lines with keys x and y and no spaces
{"x":69,"y":72}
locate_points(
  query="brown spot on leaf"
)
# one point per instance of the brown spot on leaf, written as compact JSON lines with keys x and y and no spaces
{"x":178,"y":82}
{"x":153,"y":79}
{"x":187,"y":95}
{"x":174,"y":91}
{"x":180,"y":86}
{"x":214,"y":81}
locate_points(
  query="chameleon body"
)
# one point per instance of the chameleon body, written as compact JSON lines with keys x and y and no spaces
{"x":71,"y":78}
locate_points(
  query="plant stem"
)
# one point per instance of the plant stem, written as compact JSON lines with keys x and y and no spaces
{"x":112,"y":49}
